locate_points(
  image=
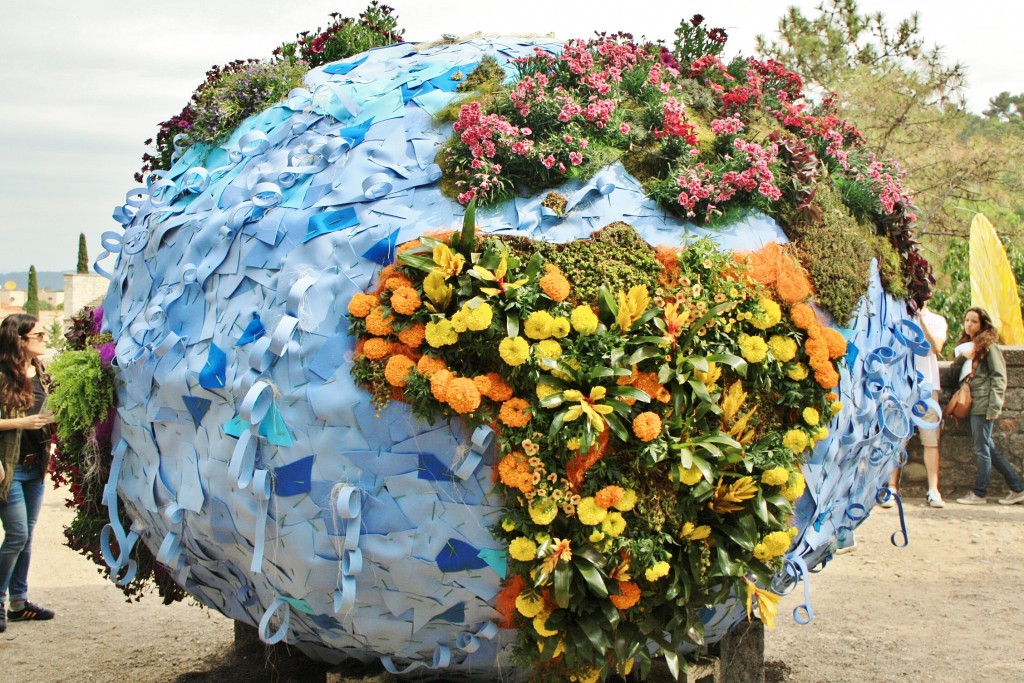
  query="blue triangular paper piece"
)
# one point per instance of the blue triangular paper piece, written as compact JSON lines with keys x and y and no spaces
{"x":446,"y":83}
{"x":197,"y":408}
{"x":456,"y":614}
{"x":213,"y":374}
{"x":459,"y":556}
{"x":330,"y":221}
{"x":433,"y":469}
{"x":342,"y":68}
{"x":497,"y":559}
{"x":253,"y":331}
{"x":235,"y":426}
{"x":294,"y":478}
{"x":273,"y":428}
{"x":383,"y":252}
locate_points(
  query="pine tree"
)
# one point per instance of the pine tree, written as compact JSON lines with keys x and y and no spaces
{"x":32,"y":297}
{"x":83,"y":255}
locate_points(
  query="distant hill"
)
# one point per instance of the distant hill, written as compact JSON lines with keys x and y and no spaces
{"x":52,"y":280}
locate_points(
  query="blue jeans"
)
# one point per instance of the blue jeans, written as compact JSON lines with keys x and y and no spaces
{"x":18,"y":515}
{"x":987,"y":456}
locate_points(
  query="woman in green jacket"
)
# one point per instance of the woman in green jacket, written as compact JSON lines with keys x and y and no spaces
{"x":978,"y":344}
{"x":24,"y":458}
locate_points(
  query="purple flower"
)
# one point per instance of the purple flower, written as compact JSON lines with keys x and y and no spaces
{"x":97,"y":320}
{"x":106,"y":352}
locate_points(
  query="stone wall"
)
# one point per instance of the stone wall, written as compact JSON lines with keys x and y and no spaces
{"x":81,"y":290}
{"x":957,"y":466}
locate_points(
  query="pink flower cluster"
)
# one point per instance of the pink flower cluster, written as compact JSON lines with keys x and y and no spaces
{"x":699,"y":183}
{"x":487,"y":136}
{"x":674,"y":122}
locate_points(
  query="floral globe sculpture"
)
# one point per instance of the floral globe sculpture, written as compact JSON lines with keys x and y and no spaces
{"x":508,"y":356}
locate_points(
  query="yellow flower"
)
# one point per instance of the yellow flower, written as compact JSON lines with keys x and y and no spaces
{"x":836,"y":407}
{"x":529,"y":605}
{"x":820,"y":433}
{"x":596,"y":536}
{"x":691,"y":532}
{"x":583,"y":320}
{"x":770,"y":315}
{"x":440,"y":333}
{"x":767,"y":603}
{"x":795,"y":440}
{"x":811,"y":416}
{"x":711,"y":376}
{"x":478,"y":318}
{"x":783,"y":348}
{"x":544,"y":390}
{"x":589,"y":512}
{"x":762,"y":553}
{"x":587,"y":406}
{"x":657,"y":571}
{"x":796,"y":488}
{"x":777,"y":476}
{"x":753,"y":349}
{"x":540,"y":626}
{"x":777,"y":542}
{"x":522,"y":549}
{"x":797,"y":371}
{"x":508,"y":524}
{"x":627,"y":502}
{"x":449,"y":263}
{"x":614,"y":524}
{"x":547,"y":348}
{"x":730,"y":498}
{"x":690,"y":475}
{"x":538,"y":325}
{"x":543,"y":512}
{"x":560,"y":327}
{"x":438,"y":291}
{"x":631,"y":306}
{"x":514,"y":350}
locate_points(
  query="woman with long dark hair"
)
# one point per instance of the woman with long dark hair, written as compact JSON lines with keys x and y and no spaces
{"x":979,"y":346}
{"x":24,"y":458}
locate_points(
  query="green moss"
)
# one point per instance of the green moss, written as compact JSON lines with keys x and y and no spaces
{"x":486,"y":77}
{"x":890,"y":266}
{"x":615,"y":255}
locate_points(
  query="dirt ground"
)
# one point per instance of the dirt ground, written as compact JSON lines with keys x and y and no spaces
{"x":945,"y":608}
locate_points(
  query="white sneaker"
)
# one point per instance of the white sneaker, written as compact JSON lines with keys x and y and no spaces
{"x":972,"y":499}
{"x":934,"y":499}
{"x":1013,"y":498}
{"x":890,"y":501}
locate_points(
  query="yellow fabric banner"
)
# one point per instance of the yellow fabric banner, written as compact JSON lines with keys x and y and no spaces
{"x":993,"y":286}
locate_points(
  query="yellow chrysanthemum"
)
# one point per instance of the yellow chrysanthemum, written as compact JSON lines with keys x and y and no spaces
{"x":560,"y":328}
{"x":762,"y":553}
{"x":795,"y":488}
{"x":811,"y":416}
{"x":795,"y":440}
{"x":440,"y":333}
{"x":543,"y":512}
{"x":529,"y":606}
{"x":777,"y":542}
{"x":583,"y":320}
{"x":657,"y":571}
{"x":797,"y":371}
{"x":596,"y":536}
{"x":627,"y":502}
{"x":614,"y":524}
{"x":836,"y":407}
{"x":548,"y":348}
{"x":783,"y":349}
{"x":514,"y":350}
{"x":820,"y":434}
{"x":769,"y":316}
{"x":753,"y":349}
{"x":508,"y":524}
{"x":589,"y":512}
{"x":522,"y":549}
{"x":777,"y":476}
{"x":689,"y":476}
{"x":540,"y":626}
{"x":538,"y":325}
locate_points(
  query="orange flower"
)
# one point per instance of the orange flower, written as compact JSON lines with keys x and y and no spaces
{"x":428,"y":365}
{"x":647,"y":426}
{"x":826,"y":376}
{"x":405,"y":300}
{"x":514,"y":472}
{"x":668,"y":257}
{"x":554,"y":284}
{"x":648,"y":383}
{"x":413,"y":335}
{"x":499,"y":390}
{"x":515,"y":412}
{"x":629,"y":595}
{"x":608,"y":496}
{"x":462,"y":395}
{"x":396,"y":281}
{"x":836,"y":343}
{"x":803,"y":316}
{"x":376,"y":348}
{"x":483,"y":384}
{"x":577,"y":468}
{"x":816,"y":348}
{"x":396,"y":372}
{"x":505,"y":603}
{"x":361,"y":304}
{"x":439,"y":382}
{"x":376,"y":324}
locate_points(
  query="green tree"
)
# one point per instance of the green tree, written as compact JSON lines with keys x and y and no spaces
{"x":83,"y":255}
{"x":1006,"y":107}
{"x":57,"y":340}
{"x":32,"y":296}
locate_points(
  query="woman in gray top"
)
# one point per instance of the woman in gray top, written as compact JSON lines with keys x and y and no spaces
{"x":988,"y":387}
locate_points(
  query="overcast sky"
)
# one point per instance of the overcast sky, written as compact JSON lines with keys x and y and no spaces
{"x":86,"y":82}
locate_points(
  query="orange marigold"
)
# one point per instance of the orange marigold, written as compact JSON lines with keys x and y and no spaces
{"x":826,"y":376}
{"x":483,"y":384}
{"x":514,"y":472}
{"x":413,"y":335}
{"x":505,"y":603}
{"x":647,"y":426}
{"x":515,"y":412}
{"x":648,"y":383}
{"x":803,"y":316}
{"x":396,"y":372}
{"x":428,"y":365}
{"x":554,"y":284}
{"x":816,"y":348}
{"x":836,"y":343}
{"x":629,"y":595}
{"x":361,"y":304}
{"x":462,"y":395}
{"x":499,"y":389}
{"x":397,"y":281}
{"x":405,"y":300}
{"x":608,"y":496}
{"x":376,"y":348}
{"x":377,"y":324}
{"x":439,"y":382}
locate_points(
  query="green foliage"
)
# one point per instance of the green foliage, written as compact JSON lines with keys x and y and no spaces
{"x":32,"y":295}
{"x":56,"y":340}
{"x":890,"y":269}
{"x":486,"y":77}
{"x":346,"y":36}
{"x":83,"y":256}
{"x":82,"y":392}
{"x":693,"y":40}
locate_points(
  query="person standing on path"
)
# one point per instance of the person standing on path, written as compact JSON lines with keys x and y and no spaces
{"x":935,"y":328}
{"x":24,"y":458}
{"x":978,"y":346}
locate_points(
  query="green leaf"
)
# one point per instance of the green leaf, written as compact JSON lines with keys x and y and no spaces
{"x":556,"y":424}
{"x":616,"y":426}
{"x":643,"y":353}
{"x":464,"y":241}
{"x":629,"y":392}
{"x":552,"y":400}
{"x":739,"y":535}
{"x":698,"y":362}
{"x":700,"y":390}
{"x":534,"y":266}
{"x":563,"y":582}
{"x":607,"y":302}
{"x":592,"y":629}
{"x":416,"y":261}
{"x":672,"y":660}
{"x":733,"y":361}
{"x":704,"y":467}
{"x":592,"y":576}
{"x":512,"y":325}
